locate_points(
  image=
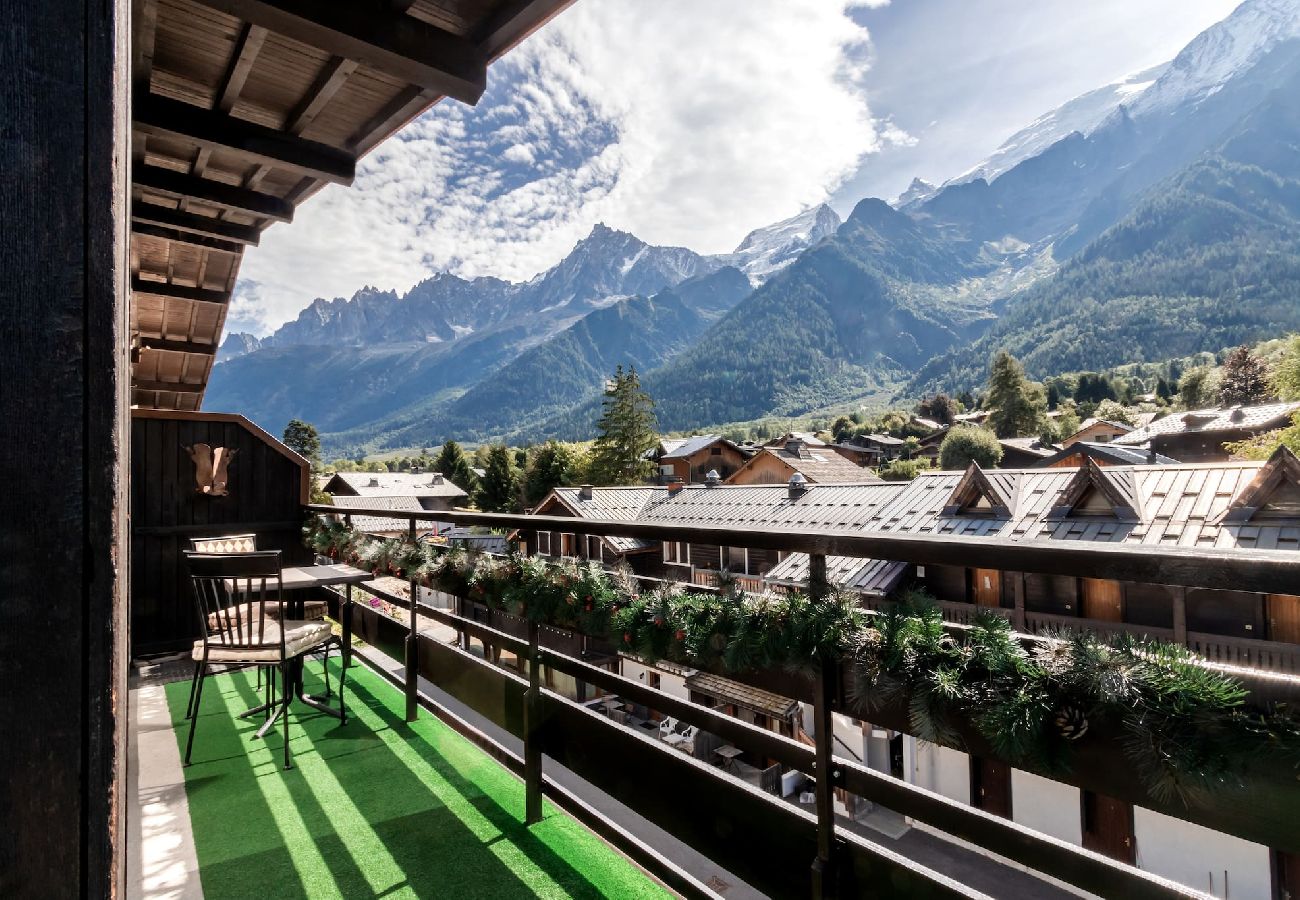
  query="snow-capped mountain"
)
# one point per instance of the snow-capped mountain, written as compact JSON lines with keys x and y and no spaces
{"x":765,"y":251}
{"x":1082,"y":114}
{"x":1219,"y":53}
{"x":918,"y":190}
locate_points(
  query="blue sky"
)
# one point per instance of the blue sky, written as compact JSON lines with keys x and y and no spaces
{"x":691,"y":122}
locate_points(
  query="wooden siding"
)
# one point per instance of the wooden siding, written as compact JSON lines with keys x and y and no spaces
{"x":268,"y":485}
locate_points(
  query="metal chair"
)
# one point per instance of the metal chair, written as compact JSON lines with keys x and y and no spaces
{"x":234,"y":593}
{"x":311,"y":609}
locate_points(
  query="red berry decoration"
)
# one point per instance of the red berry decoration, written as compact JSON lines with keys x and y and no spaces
{"x":627,"y":637}
{"x":681,"y":635}
{"x":659,"y":620}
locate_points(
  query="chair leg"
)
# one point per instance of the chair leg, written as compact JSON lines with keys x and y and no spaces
{"x":198,"y":702}
{"x":194,"y":683}
{"x":343,"y":674}
{"x":326,"y":666}
{"x":268,"y":691}
{"x":288,"y":696}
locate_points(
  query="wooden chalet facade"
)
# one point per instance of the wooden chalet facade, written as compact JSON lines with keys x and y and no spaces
{"x":691,"y":460}
{"x":818,"y":464}
{"x":1097,"y":431}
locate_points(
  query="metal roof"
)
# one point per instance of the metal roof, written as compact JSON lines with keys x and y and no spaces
{"x":1237,"y":418}
{"x":819,"y":465}
{"x":744,"y":695}
{"x":693,"y":445}
{"x":869,"y":576}
{"x":393,"y":484}
{"x":378,"y":525}
{"x":1113,"y":453}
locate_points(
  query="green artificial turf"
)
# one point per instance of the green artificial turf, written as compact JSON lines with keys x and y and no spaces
{"x":376,"y":807}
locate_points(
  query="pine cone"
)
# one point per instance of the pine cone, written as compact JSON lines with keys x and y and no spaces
{"x":1071,"y":722}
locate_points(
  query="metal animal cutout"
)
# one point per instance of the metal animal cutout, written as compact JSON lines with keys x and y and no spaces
{"x":211,"y":468}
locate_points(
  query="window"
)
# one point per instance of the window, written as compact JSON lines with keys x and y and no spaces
{"x":654,"y":680}
{"x":715,"y":451}
{"x":566,"y":544}
{"x":676,"y":552}
{"x":738,"y":561}
{"x":543,"y":543}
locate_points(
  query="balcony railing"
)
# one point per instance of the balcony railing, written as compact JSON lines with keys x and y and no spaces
{"x":758,"y":836}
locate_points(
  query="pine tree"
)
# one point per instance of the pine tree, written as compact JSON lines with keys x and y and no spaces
{"x":498,"y":489}
{"x":627,"y":432}
{"x":1244,"y":379}
{"x":301,"y":437}
{"x":1017,"y":405}
{"x":454,"y":466}
{"x":553,"y":464}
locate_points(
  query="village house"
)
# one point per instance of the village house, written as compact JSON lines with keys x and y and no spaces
{"x":870,"y":450}
{"x":1200,"y":435}
{"x":1097,"y":431}
{"x":429,"y":489}
{"x":1108,"y":454}
{"x":1023,"y":452}
{"x":690,"y":460}
{"x":816,"y":463}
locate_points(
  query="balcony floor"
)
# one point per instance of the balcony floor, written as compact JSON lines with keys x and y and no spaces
{"x":376,"y":807}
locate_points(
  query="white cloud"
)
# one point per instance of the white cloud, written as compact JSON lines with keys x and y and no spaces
{"x":683,"y":122}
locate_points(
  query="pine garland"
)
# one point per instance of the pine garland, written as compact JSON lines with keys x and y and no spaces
{"x":1186,"y":729}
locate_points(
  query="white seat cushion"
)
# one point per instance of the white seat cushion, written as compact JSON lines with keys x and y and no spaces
{"x":299,"y":637}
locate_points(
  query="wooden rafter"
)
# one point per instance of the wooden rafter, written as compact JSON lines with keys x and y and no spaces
{"x":241,"y":63}
{"x":227,"y":196}
{"x":148,"y":343}
{"x":176,"y":236}
{"x":372,"y":33}
{"x":259,"y":144}
{"x":178,"y":292}
{"x":512,"y":22}
{"x":327,"y":84}
{"x":153,"y":214}
{"x":174,"y":387}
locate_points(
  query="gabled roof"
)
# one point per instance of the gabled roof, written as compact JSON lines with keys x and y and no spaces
{"x":693,"y":445}
{"x":1237,"y":418}
{"x":820,"y":465}
{"x":622,"y":504}
{"x":1280,"y":475}
{"x":393,"y":484}
{"x":1030,"y":446}
{"x":993,"y":493}
{"x":383,"y":524}
{"x":1115,"y":484}
{"x":807,"y":437}
{"x":1114,"y":454}
{"x":867,"y":576}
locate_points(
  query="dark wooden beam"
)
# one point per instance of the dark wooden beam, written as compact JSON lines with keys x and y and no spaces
{"x":174,"y":387}
{"x":241,"y":63}
{"x":215,"y":193}
{"x":332,"y":77}
{"x":372,"y":33}
{"x":185,"y":237}
{"x":178,"y":291}
{"x":514,"y":21}
{"x":161,"y":115}
{"x":150,"y":343}
{"x":192,"y":223}
{"x":396,"y":113}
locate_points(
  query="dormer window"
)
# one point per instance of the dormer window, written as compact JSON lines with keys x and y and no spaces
{"x":1094,"y":491}
{"x":983,"y":495}
{"x":1274,"y":492}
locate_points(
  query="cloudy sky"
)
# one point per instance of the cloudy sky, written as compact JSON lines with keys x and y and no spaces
{"x":691,"y":122}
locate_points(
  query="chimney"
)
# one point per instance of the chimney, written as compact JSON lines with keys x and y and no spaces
{"x":794,"y":445}
{"x":585,"y":492}
{"x":1237,"y":414}
{"x":674,"y":487}
{"x":437,"y":478}
{"x":713,"y":479}
{"x":417,"y":470}
{"x":798,"y":485}
{"x":374,"y":482}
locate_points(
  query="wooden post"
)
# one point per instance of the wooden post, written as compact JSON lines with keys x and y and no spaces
{"x":1180,"y":616}
{"x":823,"y":874}
{"x":412,"y":651}
{"x":1018,"y":595}
{"x":532,"y":731}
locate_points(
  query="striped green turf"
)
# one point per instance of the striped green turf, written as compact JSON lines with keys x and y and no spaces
{"x":376,"y":807}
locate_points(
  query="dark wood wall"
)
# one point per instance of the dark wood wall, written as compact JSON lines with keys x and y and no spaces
{"x":267,"y":486}
{"x":63,"y":379}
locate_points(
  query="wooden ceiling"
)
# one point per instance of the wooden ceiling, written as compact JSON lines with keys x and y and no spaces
{"x":244,"y":108}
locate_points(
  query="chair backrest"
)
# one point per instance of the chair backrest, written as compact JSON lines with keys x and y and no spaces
{"x":226,"y":543}
{"x":233,"y":592}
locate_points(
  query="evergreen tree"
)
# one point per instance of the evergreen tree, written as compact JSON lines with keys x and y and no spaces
{"x":498,"y":489}
{"x":627,"y":432}
{"x":455,"y":467}
{"x":301,"y":437}
{"x":1067,"y":423}
{"x":1244,"y":379}
{"x":1286,"y":376}
{"x":553,"y":465}
{"x":965,"y":444}
{"x":1016,"y":404}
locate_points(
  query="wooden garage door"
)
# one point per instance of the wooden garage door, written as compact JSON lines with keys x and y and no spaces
{"x":1283,"y":618}
{"x":1103,"y":600}
{"x":990,"y":785}
{"x":1108,"y":827}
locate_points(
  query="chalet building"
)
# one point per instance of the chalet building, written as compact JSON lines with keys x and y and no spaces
{"x":622,"y":503}
{"x":817,"y":464}
{"x":807,"y":438}
{"x":1199,"y":435}
{"x":429,"y":489}
{"x":692,"y":459}
{"x":870,"y":450}
{"x":1103,"y":455}
{"x":1097,"y":431}
{"x":388,"y":526}
{"x":1021,"y":453}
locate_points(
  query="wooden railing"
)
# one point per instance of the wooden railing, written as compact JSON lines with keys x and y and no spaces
{"x":1263,"y":813}
{"x":1046,"y":623}
{"x":1249,"y":653}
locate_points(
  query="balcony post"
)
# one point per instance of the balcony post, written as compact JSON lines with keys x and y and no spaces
{"x":823,"y":874}
{"x":1018,"y":595}
{"x":1180,"y":616}
{"x":412,"y":650}
{"x":532,"y":731}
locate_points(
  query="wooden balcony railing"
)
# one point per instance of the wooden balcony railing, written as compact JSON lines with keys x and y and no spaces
{"x":761,"y":834}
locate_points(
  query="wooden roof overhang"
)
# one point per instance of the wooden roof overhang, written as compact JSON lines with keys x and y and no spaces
{"x":241,"y":110}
